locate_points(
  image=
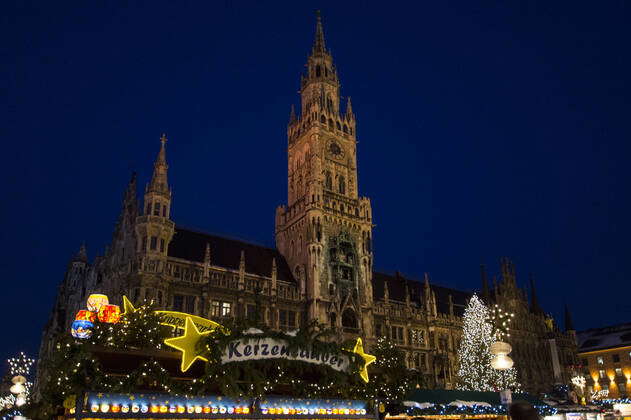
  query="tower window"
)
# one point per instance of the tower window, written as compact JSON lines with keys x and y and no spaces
{"x":342,"y":186}
{"x":161,"y":245}
{"x":337,"y":123}
{"x":148,"y":210}
{"x":328,"y":181}
{"x":154,"y":243}
{"x":323,"y":119}
{"x":156,"y":209}
{"x":164,"y":211}
{"x":318,"y":71}
{"x":345,"y":129}
{"x":331,"y":124}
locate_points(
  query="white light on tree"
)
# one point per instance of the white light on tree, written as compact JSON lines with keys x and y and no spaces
{"x":475,"y":372}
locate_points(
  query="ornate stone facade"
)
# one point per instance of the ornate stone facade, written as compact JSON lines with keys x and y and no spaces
{"x":322,"y":267}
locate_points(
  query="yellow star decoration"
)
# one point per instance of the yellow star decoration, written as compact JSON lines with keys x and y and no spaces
{"x":127,"y":306}
{"x":368,"y":359}
{"x":187,"y":344}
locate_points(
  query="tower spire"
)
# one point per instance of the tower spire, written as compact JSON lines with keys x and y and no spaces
{"x":159,"y":182}
{"x":318,"y":43}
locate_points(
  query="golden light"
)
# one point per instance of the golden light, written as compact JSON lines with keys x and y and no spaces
{"x":17,"y":388}
{"x":502,"y":362}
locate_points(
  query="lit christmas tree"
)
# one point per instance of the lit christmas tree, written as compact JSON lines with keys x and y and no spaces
{"x":475,"y":372}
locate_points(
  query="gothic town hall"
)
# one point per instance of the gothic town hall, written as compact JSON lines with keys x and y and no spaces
{"x":321,"y":268}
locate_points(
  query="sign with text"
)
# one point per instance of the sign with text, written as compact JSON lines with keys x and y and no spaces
{"x":270,"y":348}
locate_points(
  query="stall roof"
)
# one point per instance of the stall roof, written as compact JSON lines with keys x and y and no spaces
{"x":445,"y":396}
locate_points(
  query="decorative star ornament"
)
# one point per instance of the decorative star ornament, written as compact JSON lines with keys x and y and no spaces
{"x":128,"y":308}
{"x":368,"y":359}
{"x":187,"y":344}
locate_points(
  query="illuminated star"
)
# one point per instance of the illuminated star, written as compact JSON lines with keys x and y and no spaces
{"x":368,"y":359}
{"x":131,"y":397}
{"x":187,"y":344}
{"x":128,"y":308}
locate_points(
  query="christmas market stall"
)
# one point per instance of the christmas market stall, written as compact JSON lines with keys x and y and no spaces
{"x":147,"y":363}
{"x":456,"y":404}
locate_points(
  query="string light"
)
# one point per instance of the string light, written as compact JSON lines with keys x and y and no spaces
{"x":475,"y":372}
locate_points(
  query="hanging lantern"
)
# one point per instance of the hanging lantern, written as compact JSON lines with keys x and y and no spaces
{"x":95,"y":302}
{"x":17,"y":389}
{"x":501,"y":360}
{"x":84,"y":315}
{"x":110,"y":314}
{"x":19,"y":379}
{"x":81,"y":329}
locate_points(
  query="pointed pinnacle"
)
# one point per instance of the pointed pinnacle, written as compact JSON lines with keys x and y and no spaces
{"x":318,"y":43}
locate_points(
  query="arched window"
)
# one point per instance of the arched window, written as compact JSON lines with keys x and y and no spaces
{"x":342,"y":185}
{"x":156,"y":209}
{"x":322,"y":119}
{"x":337,"y":124}
{"x":331,"y":124}
{"x":349,"y":320}
{"x":345,"y":129}
{"x":148,"y":209}
{"x":328,"y":180}
{"x":318,"y":71}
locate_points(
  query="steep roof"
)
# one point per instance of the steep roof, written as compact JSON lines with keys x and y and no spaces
{"x":225,"y":252}
{"x":396,"y":290}
{"x":604,"y":338}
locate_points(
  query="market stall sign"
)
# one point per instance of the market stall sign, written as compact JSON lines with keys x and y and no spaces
{"x":252,"y":348}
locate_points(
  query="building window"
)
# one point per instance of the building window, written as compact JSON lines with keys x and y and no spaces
{"x":161,"y":245}
{"x":616,"y":358}
{"x":164,"y":211}
{"x":190,"y":304}
{"x":618,"y":372}
{"x":417,"y":337}
{"x":600,"y":360}
{"x":215,"y":309}
{"x":226,"y":309}
{"x":178,"y":303}
{"x":156,"y":209}
{"x":250,"y":312}
{"x":397,"y":334}
{"x":286,"y":318}
{"x":148,"y":210}
{"x":154,"y":243}
{"x":601,"y":373}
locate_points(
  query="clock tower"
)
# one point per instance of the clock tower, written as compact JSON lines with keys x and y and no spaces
{"x":325,"y":229}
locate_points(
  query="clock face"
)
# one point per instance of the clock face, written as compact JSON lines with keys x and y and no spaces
{"x":335,"y":150}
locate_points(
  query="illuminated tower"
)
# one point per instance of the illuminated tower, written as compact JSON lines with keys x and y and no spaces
{"x":325,"y":230}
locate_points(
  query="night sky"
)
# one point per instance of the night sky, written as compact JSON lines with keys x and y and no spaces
{"x":486,"y":129}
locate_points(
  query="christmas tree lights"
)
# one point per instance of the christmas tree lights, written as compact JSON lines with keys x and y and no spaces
{"x":475,"y":372}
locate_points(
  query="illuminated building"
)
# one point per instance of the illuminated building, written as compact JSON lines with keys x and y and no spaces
{"x":605,"y":354}
{"x":321,"y":267}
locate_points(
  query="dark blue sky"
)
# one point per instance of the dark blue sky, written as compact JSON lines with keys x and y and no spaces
{"x":485,"y":129}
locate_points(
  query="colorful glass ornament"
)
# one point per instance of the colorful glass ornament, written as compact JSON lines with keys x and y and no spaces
{"x":84,"y":315}
{"x":110,"y":314}
{"x":81,"y":329}
{"x":95,"y":301}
